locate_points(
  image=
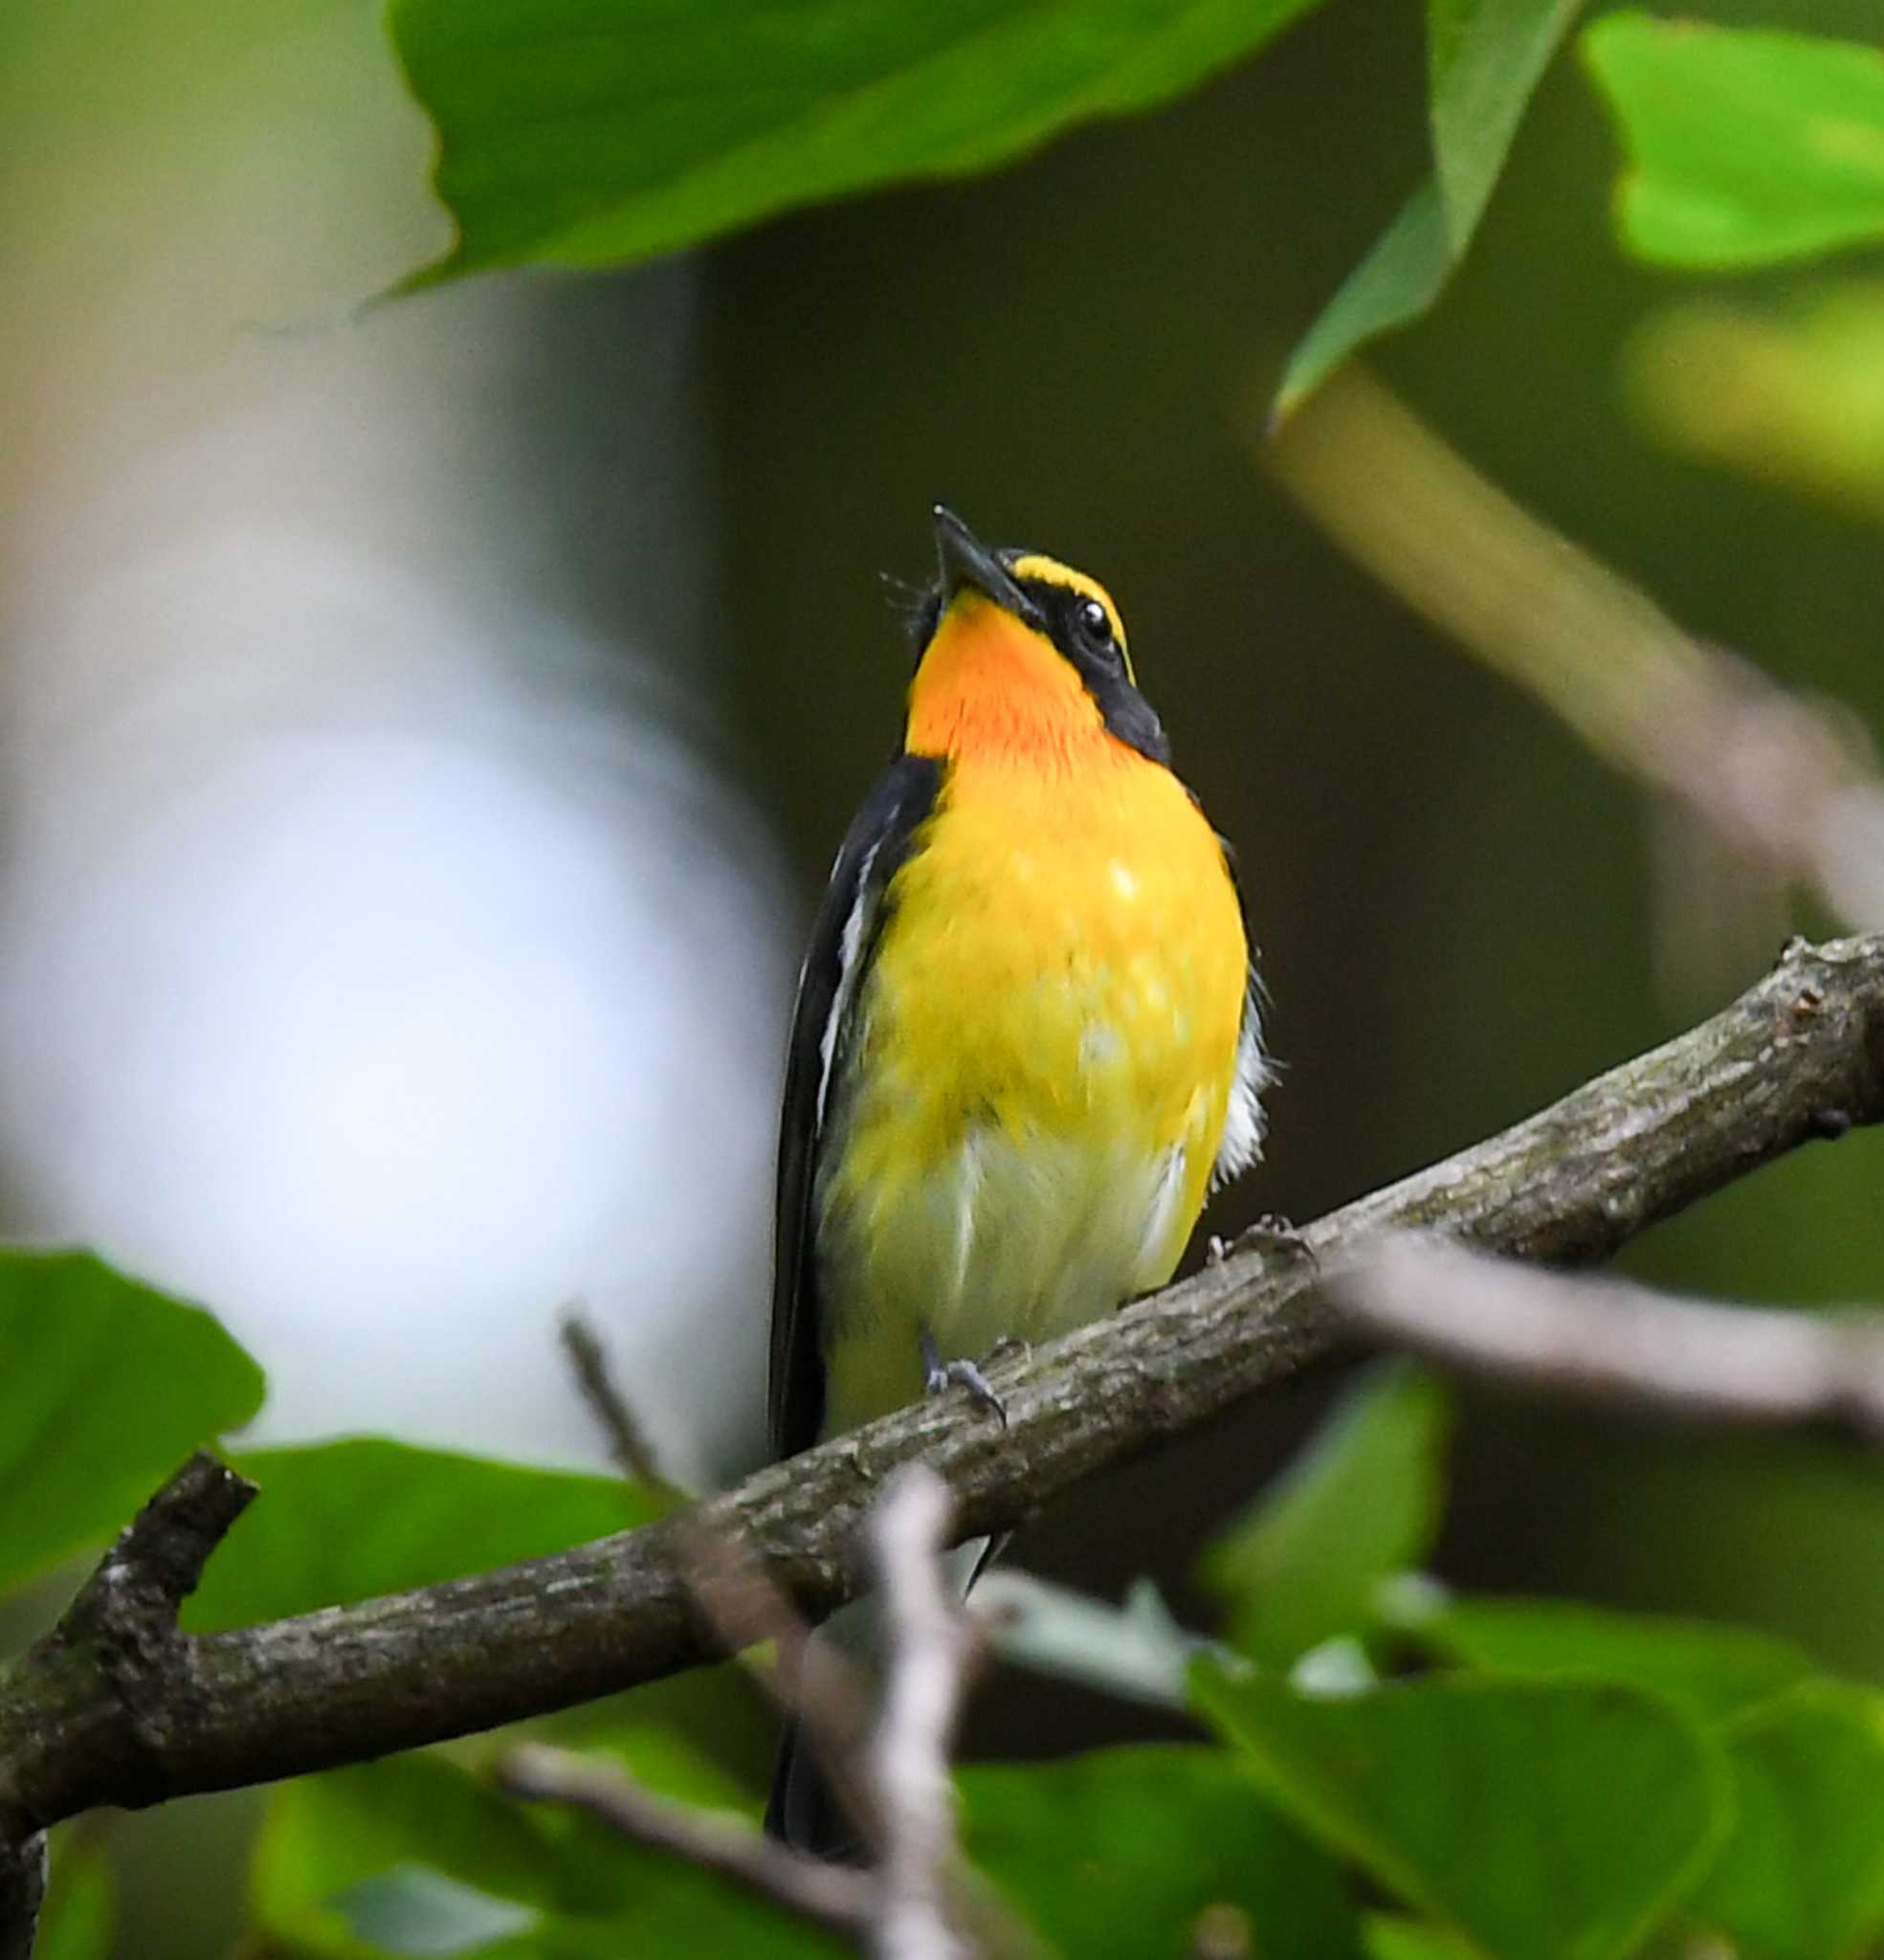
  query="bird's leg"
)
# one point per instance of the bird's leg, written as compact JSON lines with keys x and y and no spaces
{"x":938,"y":1375}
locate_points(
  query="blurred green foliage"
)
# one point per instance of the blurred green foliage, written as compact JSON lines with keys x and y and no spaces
{"x":1537,"y":1820}
{"x":1744,"y":148}
{"x":1791,"y":394}
{"x":1713,"y":1672}
{"x":1552,"y":1778}
{"x":1800,"y":1876}
{"x":1119,"y":1853}
{"x":1304,"y":1564}
{"x":421,"y":1855}
{"x":350,"y":1520}
{"x":76,"y":1921}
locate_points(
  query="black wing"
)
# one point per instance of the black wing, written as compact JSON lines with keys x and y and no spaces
{"x":844,"y":940}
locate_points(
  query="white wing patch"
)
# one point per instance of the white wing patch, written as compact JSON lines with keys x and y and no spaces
{"x":850,"y":950}
{"x":1153,"y":1255}
{"x":1243,"y":1125}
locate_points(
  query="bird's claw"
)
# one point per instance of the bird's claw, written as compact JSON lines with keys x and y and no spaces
{"x":940,"y":1375}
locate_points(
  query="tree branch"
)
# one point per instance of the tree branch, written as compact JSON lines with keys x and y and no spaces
{"x":1613,"y":1340}
{"x":1801,"y":1056}
{"x":22,"y":1894}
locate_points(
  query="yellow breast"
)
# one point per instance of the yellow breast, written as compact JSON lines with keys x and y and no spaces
{"x":1045,"y":1051}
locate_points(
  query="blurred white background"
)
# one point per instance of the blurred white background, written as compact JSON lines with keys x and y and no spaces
{"x":387,"y":964}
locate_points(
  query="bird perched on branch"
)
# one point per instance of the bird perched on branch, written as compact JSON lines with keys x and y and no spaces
{"x":1026,"y":1043}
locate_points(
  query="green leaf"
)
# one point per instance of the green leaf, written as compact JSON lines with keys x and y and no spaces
{"x":1542,"y":1820}
{"x":1307,"y":1561}
{"x":106,"y":1386}
{"x":412,"y":1910}
{"x":76,"y":1922}
{"x":1385,"y":1937}
{"x":1484,"y":59}
{"x":1802,"y":1877}
{"x":584,"y":132}
{"x":1121,"y":1851}
{"x":1136,"y":1651}
{"x":346,"y":1521}
{"x":325,"y":1835}
{"x":1397,"y":282}
{"x":1745,"y":148}
{"x":1712,"y":1672}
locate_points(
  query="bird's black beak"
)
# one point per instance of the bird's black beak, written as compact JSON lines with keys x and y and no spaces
{"x":968,"y":565}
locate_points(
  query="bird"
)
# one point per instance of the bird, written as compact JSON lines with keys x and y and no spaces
{"x":1027,"y":1041}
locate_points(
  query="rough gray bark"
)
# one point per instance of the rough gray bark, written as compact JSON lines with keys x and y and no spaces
{"x":118,"y":1707}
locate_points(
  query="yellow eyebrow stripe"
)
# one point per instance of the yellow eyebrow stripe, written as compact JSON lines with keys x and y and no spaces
{"x":1038,"y":564}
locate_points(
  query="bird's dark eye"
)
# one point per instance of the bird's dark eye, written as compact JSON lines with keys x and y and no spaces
{"x":1094,"y":624}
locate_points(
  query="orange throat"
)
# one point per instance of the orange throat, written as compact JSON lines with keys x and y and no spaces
{"x":990,"y":687}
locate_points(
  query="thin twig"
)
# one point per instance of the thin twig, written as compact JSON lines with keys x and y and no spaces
{"x":740,"y":1605}
{"x":836,"y":1897}
{"x":1615,"y":1341}
{"x":931,"y":1645}
{"x":628,"y":1445}
{"x":1799,"y":1056}
{"x":1788,"y":783}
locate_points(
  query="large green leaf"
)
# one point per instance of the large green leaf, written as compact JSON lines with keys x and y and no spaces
{"x":106,"y":1386}
{"x":1802,"y":1877}
{"x":1745,"y":147}
{"x":1120,"y":1851}
{"x":1307,"y":1561}
{"x":345,"y":1521}
{"x":1484,"y":59}
{"x":1543,"y":1820}
{"x":1714,"y":1672}
{"x":585,"y":132}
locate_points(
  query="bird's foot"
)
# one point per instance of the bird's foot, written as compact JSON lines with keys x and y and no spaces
{"x":940,"y":1375}
{"x":1273,"y":1233}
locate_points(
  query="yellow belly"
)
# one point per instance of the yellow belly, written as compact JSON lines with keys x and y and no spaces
{"x":1031,"y":1109}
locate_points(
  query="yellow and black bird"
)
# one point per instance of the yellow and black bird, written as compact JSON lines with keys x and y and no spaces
{"x":1026,"y":1043}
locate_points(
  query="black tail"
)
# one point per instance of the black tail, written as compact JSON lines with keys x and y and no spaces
{"x":803,"y":1808}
